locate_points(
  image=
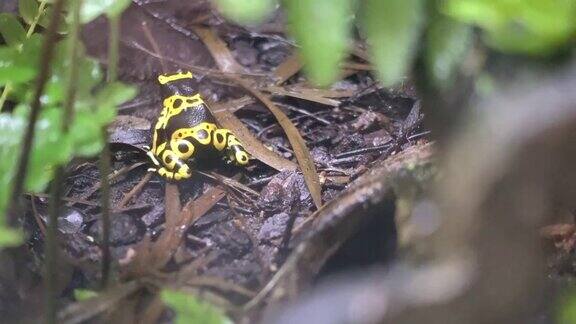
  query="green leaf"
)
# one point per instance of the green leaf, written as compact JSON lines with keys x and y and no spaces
{"x":246,"y":11}
{"x":18,"y":64}
{"x":44,"y":21}
{"x":10,"y":136}
{"x":537,"y":27}
{"x":109,"y":97}
{"x":447,"y":42}
{"x":87,"y":126}
{"x":322,"y":29}
{"x":87,"y":135}
{"x":115,"y":93}
{"x":11,"y":29}
{"x":89,"y":76}
{"x":50,"y":146}
{"x":392,"y":29}
{"x":93,"y":110}
{"x":83,"y":294}
{"x":190,"y":309}
{"x":91,"y":9}
{"x":16,"y":74}
{"x":28,"y":10}
{"x":10,"y":68}
{"x":10,"y":237}
{"x":567,"y":309}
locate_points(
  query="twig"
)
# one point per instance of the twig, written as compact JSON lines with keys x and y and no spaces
{"x":53,"y":207}
{"x":135,"y":191}
{"x":113,"y":48}
{"x":287,"y":235}
{"x":36,"y":19}
{"x":240,"y":222}
{"x":306,"y":113}
{"x":364,"y":150}
{"x":155,"y":46}
{"x":51,"y":277}
{"x":37,"y":216}
{"x":231,"y":182}
{"x":5,"y":92}
{"x":112,"y":178}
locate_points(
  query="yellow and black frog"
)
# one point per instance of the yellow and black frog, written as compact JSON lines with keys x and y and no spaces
{"x":186,"y":131}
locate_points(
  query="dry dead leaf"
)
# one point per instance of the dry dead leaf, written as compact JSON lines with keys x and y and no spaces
{"x":287,"y":69}
{"x":309,"y":95}
{"x":82,"y":311}
{"x":252,"y":144}
{"x":219,"y":51}
{"x":298,"y":144}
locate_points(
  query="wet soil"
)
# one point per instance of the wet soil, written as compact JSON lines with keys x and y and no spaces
{"x":242,"y":236}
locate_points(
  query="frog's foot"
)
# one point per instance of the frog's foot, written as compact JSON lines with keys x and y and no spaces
{"x":181,"y":174}
{"x":173,"y":167}
{"x":223,"y":139}
{"x":238,"y":155}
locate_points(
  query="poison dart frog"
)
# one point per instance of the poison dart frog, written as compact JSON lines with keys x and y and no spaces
{"x":186,"y":131}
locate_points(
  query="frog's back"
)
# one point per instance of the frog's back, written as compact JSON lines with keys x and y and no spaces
{"x":183,"y":106}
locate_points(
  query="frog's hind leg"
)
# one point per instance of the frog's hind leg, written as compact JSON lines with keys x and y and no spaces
{"x":174,"y":167}
{"x":238,"y":155}
{"x":224,"y":140}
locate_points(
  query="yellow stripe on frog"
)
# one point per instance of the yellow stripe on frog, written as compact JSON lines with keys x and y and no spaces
{"x":163,"y":79}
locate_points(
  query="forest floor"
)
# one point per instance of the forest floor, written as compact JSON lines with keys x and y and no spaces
{"x":228,"y":230}
{"x":241,"y":237}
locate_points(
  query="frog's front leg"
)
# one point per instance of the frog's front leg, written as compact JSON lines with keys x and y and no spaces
{"x":174,"y":167}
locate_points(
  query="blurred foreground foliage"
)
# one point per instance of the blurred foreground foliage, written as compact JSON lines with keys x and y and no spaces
{"x":567,"y":309}
{"x":94,"y":107}
{"x":396,"y":31}
{"x":190,"y":309}
{"x":95,"y":103}
{"x":394,"y":28}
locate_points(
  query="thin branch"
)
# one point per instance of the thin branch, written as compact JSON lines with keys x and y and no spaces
{"x":57,"y":188}
{"x":50,"y":277}
{"x":105,"y":168}
{"x":34,"y":23}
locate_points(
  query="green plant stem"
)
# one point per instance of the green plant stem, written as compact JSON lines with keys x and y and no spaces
{"x":8,"y":87}
{"x":113,"y":48}
{"x":56,"y":190}
{"x":5,"y":93}
{"x":36,"y":19}
{"x":105,"y":169}
{"x":72,"y":77}
{"x":51,"y":251}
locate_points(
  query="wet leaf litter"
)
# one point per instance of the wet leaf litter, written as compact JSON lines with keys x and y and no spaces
{"x":227,"y":230}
